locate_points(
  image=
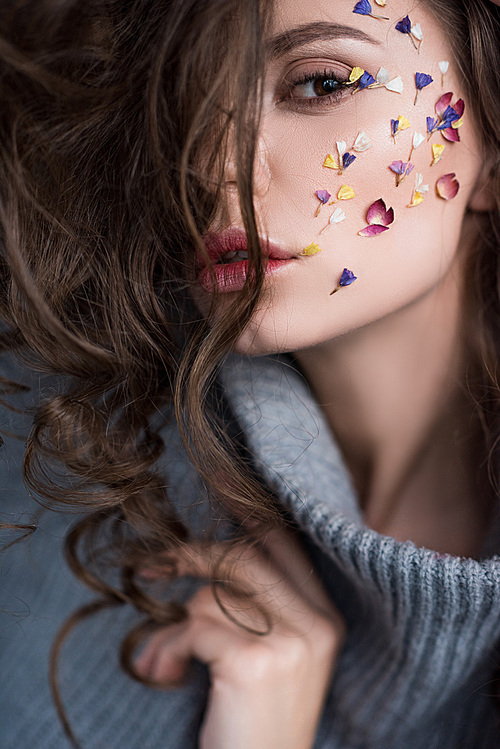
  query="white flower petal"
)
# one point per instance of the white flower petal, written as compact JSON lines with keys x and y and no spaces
{"x":382,"y":76}
{"x":337,"y":216}
{"x":362,"y":143}
{"x":380,"y":2}
{"x":341,"y":147}
{"x":443,"y":66}
{"x":416,"y":32}
{"x":418,"y":139}
{"x":419,"y":178}
{"x":423,"y":188}
{"x":395,"y":85}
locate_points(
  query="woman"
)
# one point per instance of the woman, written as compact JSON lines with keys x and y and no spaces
{"x":144,"y":148}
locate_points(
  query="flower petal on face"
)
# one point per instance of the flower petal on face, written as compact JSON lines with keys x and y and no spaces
{"x":416,"y":32}
{"x":394,"y":126}
{"x":355,"y":74}
{"x":395,"y":85}
{"x":431,"y":124}
{"x":347,"y":277}
{"x":341,"y":147}
{"x":313,"y":249}
{"x":323,"y":196}
{"x":372,"y":230}
{"x":443,"y":103}
{"x":379,"y":214}
{"x":458,"y":123}
{"x":437,"y":152}
{"x":404,"y":122}
{"x":347,"y":159}
{"x":404,"y":26}
{"x":381,"y":3}
{"x":398,"y":166}
{"x":382,"y":75}
{"x":417,"y":198}
{"x":345,"y":193}
{"x":459,"y":107}
{"x":418,"y":139}
{"x":330,"y":162}
{"x":337,"y":216}
{"x":447,"y":186}
{"x":366,"y":80}
{"x":363,"y":8}
{"x":450,"y":134}
{"x":422,"y":80}
{"x":443,"y":66}
{"x":362,"y":143}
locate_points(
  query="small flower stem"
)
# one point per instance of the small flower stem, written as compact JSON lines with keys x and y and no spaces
{"x":318,"y":209}
{"x":416,"y":96}
{"x":335,"y":290}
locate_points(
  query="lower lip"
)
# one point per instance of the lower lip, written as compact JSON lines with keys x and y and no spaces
{"x":232,"y":276}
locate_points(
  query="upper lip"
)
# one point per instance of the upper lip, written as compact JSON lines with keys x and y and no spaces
{"x":235,"y":240}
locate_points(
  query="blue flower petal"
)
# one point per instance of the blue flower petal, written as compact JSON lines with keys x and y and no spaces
{"x":394,"y":126}
{"x":347,"y":277}
{"x":404,"y":26}
{"x":347,"y":159}
{"x":431,"y":123}
{"x":422,"y":80}
{"x":363,"y":8}
{"x":366,"y":80}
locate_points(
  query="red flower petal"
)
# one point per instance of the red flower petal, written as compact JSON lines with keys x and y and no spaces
{"x":451,"y":134}
{"x":379,"y":215}
{"x":459,"y":107}
{"x":372,"y":230}
{"x":447,"y":186}
{"x":443,"y":102}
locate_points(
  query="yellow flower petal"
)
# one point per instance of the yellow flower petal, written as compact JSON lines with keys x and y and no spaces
{"x":416,"y":199}
{"x":330,"y":162}
{"x":404,"y":122}
{"x":437,"y":152}
{"x":356,"y":74}
{"x":458,"y":123}
{"x":380,"y":2}
{"x":345,"y":193}
{"x":313,"y":249}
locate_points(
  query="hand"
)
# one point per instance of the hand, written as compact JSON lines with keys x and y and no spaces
{"x":266,"y":691}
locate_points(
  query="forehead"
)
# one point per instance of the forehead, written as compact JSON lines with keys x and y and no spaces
{"x":335,"y":19}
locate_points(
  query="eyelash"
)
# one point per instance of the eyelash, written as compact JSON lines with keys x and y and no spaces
{"x":314,"y":101}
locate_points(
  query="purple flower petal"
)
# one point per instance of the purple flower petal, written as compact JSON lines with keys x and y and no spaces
{"x":394,"y":126}
{"x":372,"y":230}
{"x":365,"y":80}
{"x":347,"y":159}
{"x":379,"y":214}
{"x":323,"y":196}
{"x":409,"y":168}
{"x":422,"y":80}
{"x":404,"y":26}
{"x":451,"y":134}
{"x":398,"y":166}
{"x":431,"y":124}
{"x":447,"y":186}
{"x":443,"y":103}
{"x":363,"y":8}
{"x":347,"y":277}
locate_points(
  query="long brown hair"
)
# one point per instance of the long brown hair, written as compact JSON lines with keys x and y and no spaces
{"x":109,"y":107}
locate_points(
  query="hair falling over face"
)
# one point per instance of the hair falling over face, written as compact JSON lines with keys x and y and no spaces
{"x":117,"y":119}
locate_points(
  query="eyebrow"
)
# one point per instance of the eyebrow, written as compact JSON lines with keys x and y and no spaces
{"x":313,"y":32}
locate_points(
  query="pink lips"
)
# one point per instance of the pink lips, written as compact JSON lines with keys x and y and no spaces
{"x":231,"y":276}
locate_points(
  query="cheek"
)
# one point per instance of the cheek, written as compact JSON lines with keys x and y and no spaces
{"x":393,"y":268}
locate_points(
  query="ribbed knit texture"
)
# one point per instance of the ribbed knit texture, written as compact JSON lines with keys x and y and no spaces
{"x":416,"y":667}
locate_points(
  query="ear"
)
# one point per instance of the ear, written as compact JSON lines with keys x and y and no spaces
{"x":484,"y":196}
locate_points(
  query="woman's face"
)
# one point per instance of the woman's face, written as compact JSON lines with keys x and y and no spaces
{"x":315,"y":44}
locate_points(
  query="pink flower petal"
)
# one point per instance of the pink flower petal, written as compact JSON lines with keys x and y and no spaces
{"x":379,"y":215}
{"x":451,"y":134}
{"x":459,"y":107}
{"x":443,"y":102}
{"x":372,"y":231}
{"x":447,"y":186}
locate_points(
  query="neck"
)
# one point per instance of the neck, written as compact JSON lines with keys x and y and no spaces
{"x":393,"y":397}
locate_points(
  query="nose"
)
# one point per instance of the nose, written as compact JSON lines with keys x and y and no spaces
{"x":261,"y":170}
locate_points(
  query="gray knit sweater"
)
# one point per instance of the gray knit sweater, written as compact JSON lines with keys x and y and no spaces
{"x":422,"y":627}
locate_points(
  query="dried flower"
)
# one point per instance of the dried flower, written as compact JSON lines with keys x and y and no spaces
{"x":417,"y":141}
{"x":395,"y":85}
{"x":330,"y":162}
{"x":362,"y":143}
{"x":382,"y":76}
{"x":379,"y":218}
{"x":347,"y":160}
{"x":447,"y":186}
{"x":421,"y":81}
{"x":404,"y":26}
{"x":437,"y":152}
{"x":345,"y":193}
{"x":401,"y":123}
{"x":312,"y":249}
{"x":449,"y":118}
{"x":417,"y":34}
{"x":337,"y":216}
{"x":365,"y":9}
{"x":323,"y":197}
{"x":443,"y":67}
{"x":365,"y":81}
{"x":380,"y":2}
{"x":402,"y":169}
{"x":418,"y":191}
{"x":355,"y":74}
{"x":346,"y":279}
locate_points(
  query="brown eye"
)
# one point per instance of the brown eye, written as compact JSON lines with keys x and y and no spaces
{"x":325,"y":86}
